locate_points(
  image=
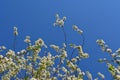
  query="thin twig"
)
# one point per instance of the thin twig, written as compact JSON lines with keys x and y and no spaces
{"x":65,"y":37}
{"x":83,"y":41}
{"x":14,"y":43}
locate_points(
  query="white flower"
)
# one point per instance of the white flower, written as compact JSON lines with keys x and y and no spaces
{"x":100,"y":42}
{"x":49,"y":55}
{"x":77,"y":57}
{"x":64,"y":18}
{"x":79,"y":70}
{"x":74,"y":60}
{"x":64,"y":69}
{"x":75,"y":27}
{"x":33,"y":79}
{"x":80,"y":49}
{"x":64,"y":45}
{"x":39,"y":42}
{"x":64,"y":54}
{"x":119,"y":68}
{"x":55,"y":47}
{"x":54,"y":78}
{"x":80,"y":31}
{"x":23,"y":51}
{"x":27,"y":40}
{"x":85,"y":55}
{"x":114,"y":55}
{"x":60,"y":75}
{"x":1,"y":56}
{"x":6,"y":59}
{"x":89,"y":76}
{"x":15,"y":31}
{"x":118,"y":51}
{"x":117,"y":71}
{"x":109,"y":50}
{"x":101,"y":75}
{"x":59,"y":22}
{"x":15,"y":28}
{"x":5,"y":77}
{"x":117,"y":77}
{"x":10,"y":53}
{"x":54,"y":69}
{"x":2,"y":47}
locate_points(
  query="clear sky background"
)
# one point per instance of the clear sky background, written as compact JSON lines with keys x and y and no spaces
{"x":99,"y":19}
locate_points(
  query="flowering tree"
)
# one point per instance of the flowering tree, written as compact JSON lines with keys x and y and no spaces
{"x":37,"y":67}
{"x":114,"y":63}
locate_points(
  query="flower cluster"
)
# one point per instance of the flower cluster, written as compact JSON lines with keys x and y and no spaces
{"x":114,"y":69}
{"x":103,"y":46}
{"x":59,"y":22}
{"x":77,"y":29}
{"x":81,"y":53}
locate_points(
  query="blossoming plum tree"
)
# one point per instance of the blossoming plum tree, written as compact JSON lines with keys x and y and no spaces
{"x":38,"y":67}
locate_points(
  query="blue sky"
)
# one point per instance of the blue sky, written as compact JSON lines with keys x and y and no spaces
{"x":99,"y":19}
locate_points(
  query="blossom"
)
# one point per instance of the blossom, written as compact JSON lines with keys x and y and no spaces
{"x":15,"y":31}
{"x":101,"y":75}
{"x":27,"y":40}
{"x":118,"y":51}
{"x":114,"y":55}
{"x":109,"y":50}
{"x":64,"y":69}
{"x":103,"y":46}
{"x":100,"y":42}
{"x":64,"y":45}
{"x":5,"y":77}
{"x":33,"y":79}
{"x":1,"y":56}
{"x":44,"y":67}
{"x":59,"y":22}
{"x":81,"y":53}
{"x":77,"y":29}
{"x":79,"y":49}
{"x":23,"y":51}
{"x":56,"y":48}
{"x":85,"y":55}
{"x":6,"y":59}
{"x":2,"y":47}
{"x":117,"y":77}
{"x":54,"y":78}
{"x":80,"y":31}
{"x":74,"y":60}
{"x":10,"y":53}
{"x":89,"y":75}
{"x":63,"y":54}
{"x":39,"y":42}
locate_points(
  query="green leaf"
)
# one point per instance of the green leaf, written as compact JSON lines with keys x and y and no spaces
{"x":71,"y":45}
{"x":111,"y":69}
{"x":26,"y":78}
